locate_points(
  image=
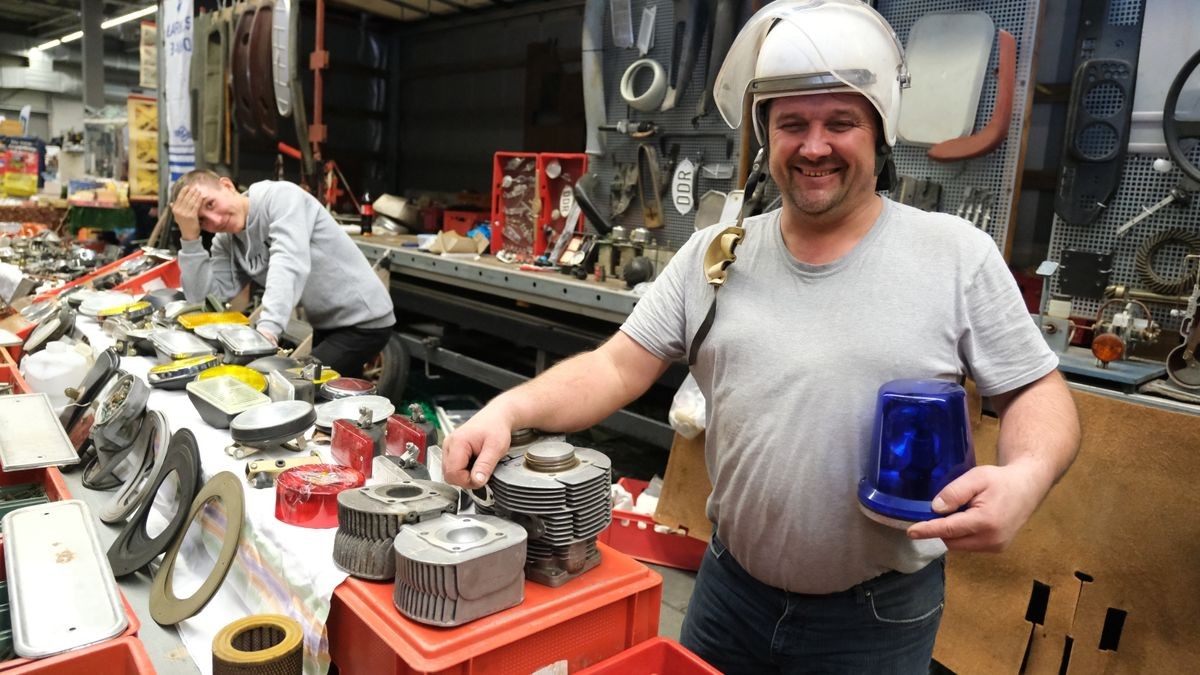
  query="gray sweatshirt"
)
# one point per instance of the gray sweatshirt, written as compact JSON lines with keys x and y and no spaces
{"x":294,"y":249}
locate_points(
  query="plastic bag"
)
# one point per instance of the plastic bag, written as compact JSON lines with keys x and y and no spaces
{"x":687,"y":415}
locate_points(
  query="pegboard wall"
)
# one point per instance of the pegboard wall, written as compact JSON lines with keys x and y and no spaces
{"x":995,"y":172}
{"x":1140,"y":187}
{"x":708,"y":139}
{"x":718,"y":143}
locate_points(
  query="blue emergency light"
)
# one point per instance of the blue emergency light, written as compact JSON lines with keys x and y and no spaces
{"x":922,"y":442}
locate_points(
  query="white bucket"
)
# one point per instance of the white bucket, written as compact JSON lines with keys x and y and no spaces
{"x":52,"y":370}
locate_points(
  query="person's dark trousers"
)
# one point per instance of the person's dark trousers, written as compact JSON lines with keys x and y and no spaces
{"x":346,"y":350}
{"x":741,"y":625}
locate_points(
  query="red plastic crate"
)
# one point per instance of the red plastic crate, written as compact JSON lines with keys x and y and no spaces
{"x":10,"y":375}
{"x":462,"y":222}
{"x":586,"y":620}
{"x":50,"y":478}
{"x":574,"y":166}
{"x":167,"y":273}
{"x":22,"y":665}
{"x":633,"y":534}
{"x":656,"y":656}
{"x":124,"y":656}
{"x":499,"y":237}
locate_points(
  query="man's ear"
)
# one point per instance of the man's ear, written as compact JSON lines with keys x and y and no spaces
{"x":227,"y":184}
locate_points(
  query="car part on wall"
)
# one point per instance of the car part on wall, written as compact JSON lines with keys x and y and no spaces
{"x":560,"y":494}
{"x":1183,"y":368}
{"x":31,"y":435}
{"x":650,"y":185}
{"x":165,"y":608}
{"x":370,"y":517}
{"x":240,"y":78}
{"x":306,"y":496}
{"x":691,"y":25}
{"x":995,"y":131}
{"x":134,"y":548}
{"x":725,"y":25}
{"x":1084,"y":274}
{"x":262,"y":71}
{"x":1098,"y":118}
{"x":454,"y":569}
{"x":61,"y":593}
{"x":592,"y":53}
{"x":1118,"y":337}
{"x":1150,"y":247}
{"x":1177,"y":131}
{"x":947,"y":56}
{"x":650,"y":98}
{"x":281,"y":56}
{"x":261,"y":644}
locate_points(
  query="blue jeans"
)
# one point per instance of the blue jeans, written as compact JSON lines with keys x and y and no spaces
{"x":741,"y":625}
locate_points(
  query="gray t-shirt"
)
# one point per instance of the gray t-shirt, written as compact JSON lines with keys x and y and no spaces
{"x":792,"y":366}
{"x":294,"y":249}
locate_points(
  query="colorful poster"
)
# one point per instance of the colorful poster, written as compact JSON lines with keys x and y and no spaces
{"x":177,"y":41}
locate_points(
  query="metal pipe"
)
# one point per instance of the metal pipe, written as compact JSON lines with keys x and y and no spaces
{"x":1124,"y":292}
{"x":318,"y":61}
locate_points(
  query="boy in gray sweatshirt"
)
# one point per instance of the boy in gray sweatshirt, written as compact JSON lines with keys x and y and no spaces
{"x":279,"y":237}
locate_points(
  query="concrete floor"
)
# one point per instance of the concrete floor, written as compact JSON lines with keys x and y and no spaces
{"x":676,"y":591}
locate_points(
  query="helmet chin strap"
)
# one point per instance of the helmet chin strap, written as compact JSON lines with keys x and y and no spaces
{"x":885,"y":168}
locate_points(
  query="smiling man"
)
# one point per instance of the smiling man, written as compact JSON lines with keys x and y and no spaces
{"x":280,"y":238}
{"x":836,"y":293}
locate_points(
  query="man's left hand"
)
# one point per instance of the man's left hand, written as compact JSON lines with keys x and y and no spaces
{"x":999,"y":500}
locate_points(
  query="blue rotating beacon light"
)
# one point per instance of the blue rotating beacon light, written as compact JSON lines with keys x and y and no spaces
{"x":923,"y":442}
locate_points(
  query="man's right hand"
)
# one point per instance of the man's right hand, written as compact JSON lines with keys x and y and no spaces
{"x":186,"y":209}
{"x":484,"y":438}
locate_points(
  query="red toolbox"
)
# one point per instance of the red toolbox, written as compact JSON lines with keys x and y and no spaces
{"x":586,"y":620}
{"x":633,"y":534}
{"x":656,"y":656}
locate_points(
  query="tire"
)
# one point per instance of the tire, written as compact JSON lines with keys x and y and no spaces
{"x":391,"y":370}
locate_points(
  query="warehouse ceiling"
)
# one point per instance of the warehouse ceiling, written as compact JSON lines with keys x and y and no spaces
{"x":43,"y":20}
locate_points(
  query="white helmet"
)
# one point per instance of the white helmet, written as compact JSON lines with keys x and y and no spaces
{"x":795,"y":47}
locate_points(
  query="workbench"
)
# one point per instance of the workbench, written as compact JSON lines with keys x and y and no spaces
{"x":497,"y":324}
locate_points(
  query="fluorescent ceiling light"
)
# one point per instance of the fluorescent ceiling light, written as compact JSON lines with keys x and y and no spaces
{"x":129,"y":17}
{"x":125,"y":18}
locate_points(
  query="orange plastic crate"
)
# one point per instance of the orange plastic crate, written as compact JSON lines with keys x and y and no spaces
{"x":124,"y":656}
{"x":653,"y":657}
{"x":586,"y":620}
{"x":167,"y":273}
{"x":633,"y":534}
{"x":20,"y":665}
